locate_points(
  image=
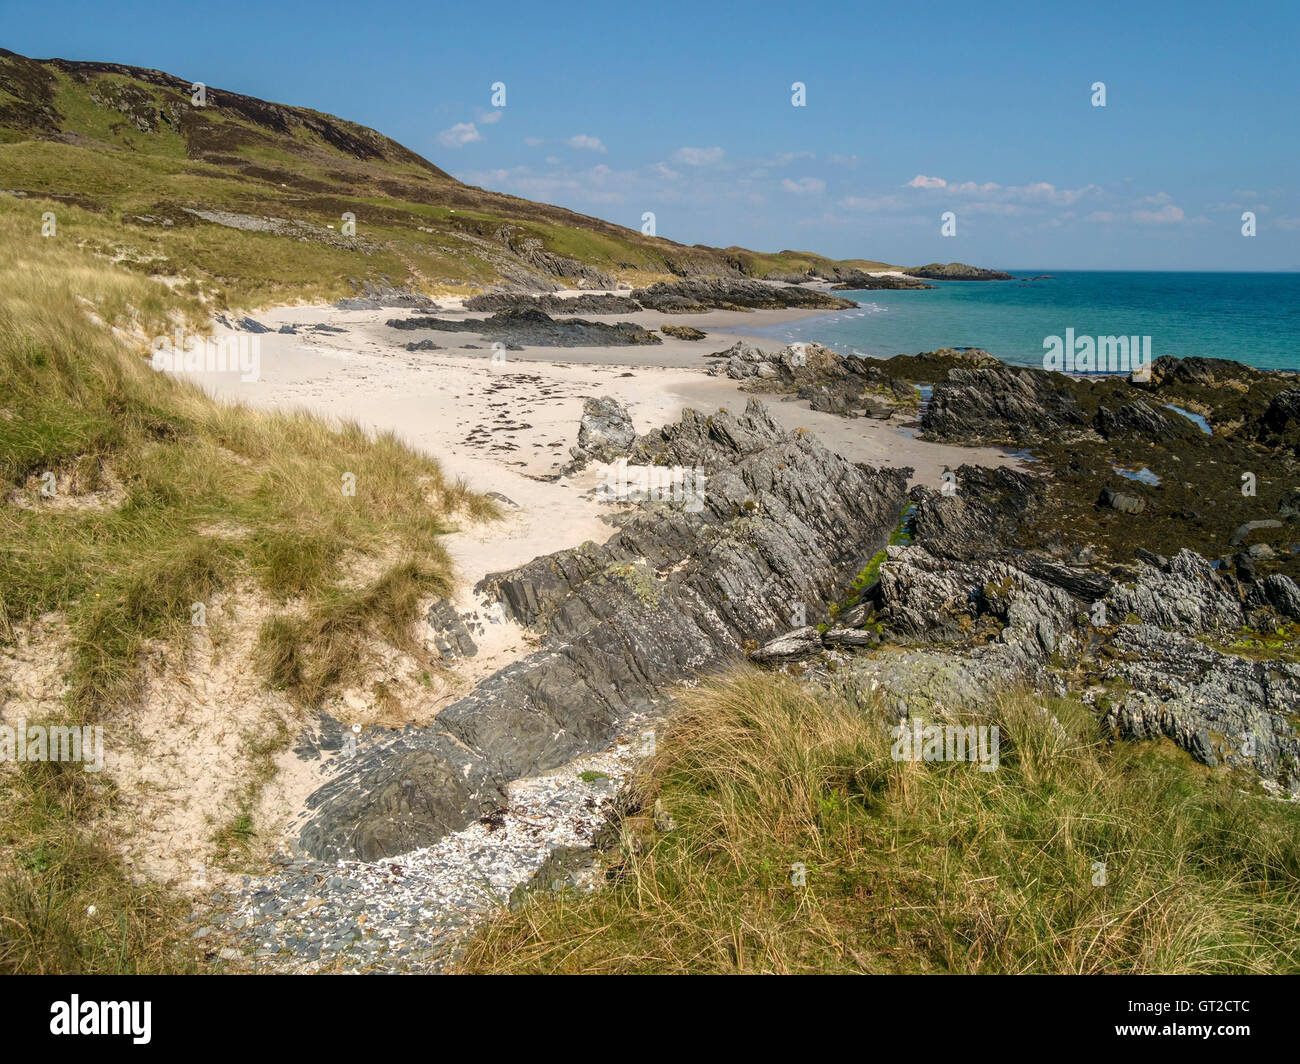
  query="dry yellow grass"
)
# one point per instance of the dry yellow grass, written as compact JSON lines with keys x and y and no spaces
{"x":919,"y":866}
{"x":205,"y":498}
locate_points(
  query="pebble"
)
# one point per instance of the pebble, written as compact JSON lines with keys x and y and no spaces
{"x":411,"y":912}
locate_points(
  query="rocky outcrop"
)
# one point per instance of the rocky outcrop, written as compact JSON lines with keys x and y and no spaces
{"x":861,"y":281}
{"x":1138,"y":459}
{"x":1201,"y":372}
{"x":990,"y":591}
{"x":372,"y":296}
{"x":1138,"y":419}
{"x":1281,"y":593}
{"x":535,"y":254}
{"x":674,"y":594}
{"x":1000,"y":404}
{"x":972,"y":612}
{"x":1279,"y":425}
{"x":698,"y":294}
{"x":604,"y":432}
{"x":833,"y":383}
{"x":1005,"y":404}
{"x":682,"y":332}
{"x":1186,"y":593}
{"x":1222,"y":708}
{"x":587,"y":303}
{"x":957,"y":271}
{"x":528,"y":327}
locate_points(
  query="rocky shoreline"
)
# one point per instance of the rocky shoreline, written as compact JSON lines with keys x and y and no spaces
{"x":783,"y":524}
{"x":411,"y":912}
{"x":957,"y":271}
{"x":799,"y":560}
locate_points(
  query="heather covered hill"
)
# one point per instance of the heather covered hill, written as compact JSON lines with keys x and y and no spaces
{"x":218,"y":189}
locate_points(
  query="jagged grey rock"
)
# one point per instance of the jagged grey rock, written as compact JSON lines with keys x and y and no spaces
{"x":849,"y":637}
{"x":1281,"y":593}
{"x":451,"y":636}
{"x":672,"y":596}
{"x":1001,"y":404}
{"x":605,"y":430}
{"x":1222,"y":708}
{"x":796,"y":644}
{"x":698,"y":294}
{"x":990,"y":617}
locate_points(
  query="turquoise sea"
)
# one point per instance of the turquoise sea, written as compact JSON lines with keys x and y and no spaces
{"x":1250,"y":317}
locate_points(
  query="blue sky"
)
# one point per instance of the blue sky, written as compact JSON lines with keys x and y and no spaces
{"x":684,"y":109}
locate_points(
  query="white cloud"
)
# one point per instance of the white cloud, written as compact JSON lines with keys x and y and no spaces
{"x":921,"y":181}
{"x":971,"y":188}
{"x":487,"y":118}
{"x":592,"y":185}
{"x":585,"y":143}
{"x":698,"y":156}
{"x":664,"y":170}
{"x":459,"y":135}
{"x":1067,"y":196}
{"x":532,"y":142}
{"x":1260,"y":208}
{"x":1165,"y":215}
{"x":785,"y":158}
{"x":805,"y":186}
{"x":1039,"y":192}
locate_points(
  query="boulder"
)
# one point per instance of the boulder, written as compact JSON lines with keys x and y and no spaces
{"x":849,"y":637}
{"x":1122,"y":501}
{"x":673,"y":595}
{"x":797,"y":644}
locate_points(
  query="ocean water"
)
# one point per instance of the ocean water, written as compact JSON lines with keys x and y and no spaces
{"x":1249,"y":317}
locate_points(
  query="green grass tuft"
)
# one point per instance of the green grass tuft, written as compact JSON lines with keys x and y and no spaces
{"x":919,"y":867}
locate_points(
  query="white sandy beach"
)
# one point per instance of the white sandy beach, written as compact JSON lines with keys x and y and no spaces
{"x":505,"y":427}
{"x":508,"y":426}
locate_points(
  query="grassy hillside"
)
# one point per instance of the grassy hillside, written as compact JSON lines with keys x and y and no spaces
{"x":166,"y":212}
{"x":163,"y":498}
{"x":163,"y":213}
{"x":129,"y":147}
{"x":1073,"y":857}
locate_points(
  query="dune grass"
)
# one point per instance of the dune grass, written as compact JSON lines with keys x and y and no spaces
{"x":162,"y":500}
{"x":1073,"y":857}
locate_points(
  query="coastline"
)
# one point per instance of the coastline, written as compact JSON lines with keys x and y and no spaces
{"x":507,"y":426}
{"x":507,"y":429}
{"x":1241,"y":317}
